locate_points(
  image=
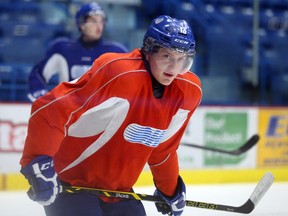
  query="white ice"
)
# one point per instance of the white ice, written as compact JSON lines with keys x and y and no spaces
{"x":274,"y":202}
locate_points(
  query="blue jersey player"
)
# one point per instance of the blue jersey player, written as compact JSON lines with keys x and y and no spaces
{"x":70,"y":58}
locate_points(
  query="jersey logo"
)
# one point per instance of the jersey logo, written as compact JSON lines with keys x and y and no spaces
{"x":145,"y":135}
{"x":79,"y":70}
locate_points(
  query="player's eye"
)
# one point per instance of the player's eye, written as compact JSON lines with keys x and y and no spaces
{"x":166,"y":57}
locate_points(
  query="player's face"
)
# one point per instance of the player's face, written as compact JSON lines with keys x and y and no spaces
{"x":93,"y":28}
{"x":167,"y":64}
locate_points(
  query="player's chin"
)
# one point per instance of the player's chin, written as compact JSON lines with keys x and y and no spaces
{"x":94,"y":36}
{"x":166,"y":81}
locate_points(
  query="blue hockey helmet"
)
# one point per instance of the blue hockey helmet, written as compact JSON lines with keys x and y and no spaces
{"x":169,"y":32}
{"x":89,"y":9}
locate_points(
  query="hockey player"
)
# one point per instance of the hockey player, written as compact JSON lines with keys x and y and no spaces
{"x":99,"y":131}
{"x":70,"y":58}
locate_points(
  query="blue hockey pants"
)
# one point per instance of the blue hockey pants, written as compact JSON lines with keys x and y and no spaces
{"x":85,"y":204}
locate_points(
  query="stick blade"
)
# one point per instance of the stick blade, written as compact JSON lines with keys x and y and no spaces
{"x":249,"y":144}
{"x":261,"y":188}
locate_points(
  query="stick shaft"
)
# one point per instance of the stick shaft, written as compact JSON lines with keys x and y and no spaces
{"x":242,"y":149}
{"x":146,"y":197}
{"x":246,"y":208}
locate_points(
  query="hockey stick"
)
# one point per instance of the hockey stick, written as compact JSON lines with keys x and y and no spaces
{"x":259,"y":191}
{"x":242,"y":149}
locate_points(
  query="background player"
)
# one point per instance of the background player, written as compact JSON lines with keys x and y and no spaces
{"x":100,"y":130}
{"x":70,"y":58}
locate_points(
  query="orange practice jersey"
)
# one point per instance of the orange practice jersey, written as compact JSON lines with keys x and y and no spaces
{"x":102,"y":128}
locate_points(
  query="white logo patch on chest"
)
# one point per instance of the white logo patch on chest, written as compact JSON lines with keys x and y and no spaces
{"x":143,"y":135}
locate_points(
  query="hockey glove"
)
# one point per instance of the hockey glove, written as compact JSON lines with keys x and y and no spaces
{"x":44,"y":182}
{"x":173,"y":205}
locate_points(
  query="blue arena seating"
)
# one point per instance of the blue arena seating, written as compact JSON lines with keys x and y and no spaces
{"x":277,"y":68}
{"x":13,"y":82}
{"x":223,"y":31}
{"x":22,"y":50}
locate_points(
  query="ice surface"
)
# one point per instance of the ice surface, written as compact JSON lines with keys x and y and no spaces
{"x":274,"y":202}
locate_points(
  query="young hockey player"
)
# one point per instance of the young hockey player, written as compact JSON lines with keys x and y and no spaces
{"x":70,"y":58}
{"x":99,"y":131}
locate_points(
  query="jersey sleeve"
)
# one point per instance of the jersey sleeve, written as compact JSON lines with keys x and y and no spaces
{"x":49,"y":114}
{"x":163,"y":161}
{"x":38,"y":83}
{"x":164,"y":164}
